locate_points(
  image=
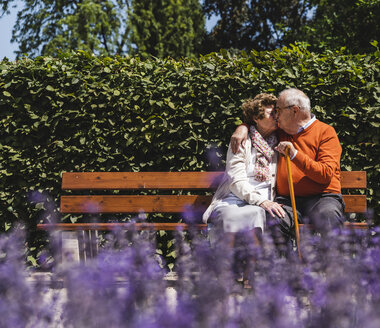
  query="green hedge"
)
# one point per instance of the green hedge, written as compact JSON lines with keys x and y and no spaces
{"x":78,"y":112}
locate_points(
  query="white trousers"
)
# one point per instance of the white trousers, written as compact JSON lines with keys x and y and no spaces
{"x":237,"y":215}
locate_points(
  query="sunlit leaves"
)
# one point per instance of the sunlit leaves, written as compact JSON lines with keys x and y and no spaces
{"x":167,"y":28}
{"x":82,"y":112}
{"x":47,"y":26}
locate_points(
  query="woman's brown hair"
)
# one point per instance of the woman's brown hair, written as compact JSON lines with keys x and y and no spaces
{"x":254,"y":108}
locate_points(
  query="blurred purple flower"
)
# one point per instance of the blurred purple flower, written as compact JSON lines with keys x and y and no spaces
{"x":92,"y":207}
{"x":336,"y":285}
{"x":214,"y":156}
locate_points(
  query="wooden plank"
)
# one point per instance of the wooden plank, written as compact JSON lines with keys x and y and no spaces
{"x":152,"y":226}
{"x":349,"y":225}
{"x":140,"y":180}
{"x":356,"y":225}
{"x":134,"y":203}
{"x":120,"y":226}
{"x":169,"y":180}
{"x":353,"y":179}
{"x":163,"y":203}
{"x":355,"y":203}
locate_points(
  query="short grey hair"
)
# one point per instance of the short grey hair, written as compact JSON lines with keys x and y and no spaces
{"x":296,"y":97}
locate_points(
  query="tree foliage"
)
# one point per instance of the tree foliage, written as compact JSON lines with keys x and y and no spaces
{"x":160,"y":28}
{"x":255,"y":24}
{"x":99,"y":26}
{"x":167,"y":28}
{"x":266,"y":24}
{"x":176,"y":27}
{"x":353,"y":24}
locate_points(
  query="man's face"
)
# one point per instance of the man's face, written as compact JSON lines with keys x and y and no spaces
{"x":284,"y":115}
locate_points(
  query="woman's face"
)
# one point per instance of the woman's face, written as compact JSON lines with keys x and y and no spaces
{"x":268,"y":122}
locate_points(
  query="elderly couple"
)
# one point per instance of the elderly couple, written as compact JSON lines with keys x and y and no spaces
{"x":255,"y":186}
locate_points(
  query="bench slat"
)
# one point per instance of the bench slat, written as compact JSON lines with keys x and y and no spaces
{"x":169,"y":180}
{"x":353,"y":179}
{"x":163,"y":203}
{"x":140,"y":180}
{"x":151,"y":226}
{"x":119,"y":225}
{"x":355,"y":203}
{"x":133,"y":203}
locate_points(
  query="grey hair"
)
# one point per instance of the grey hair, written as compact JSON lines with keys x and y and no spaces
{"x":296,"y":97}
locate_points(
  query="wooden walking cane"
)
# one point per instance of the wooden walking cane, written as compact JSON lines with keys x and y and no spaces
{"x":293,"y":200}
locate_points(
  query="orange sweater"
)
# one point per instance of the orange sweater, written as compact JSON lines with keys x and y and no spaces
{"x":316,"y":167}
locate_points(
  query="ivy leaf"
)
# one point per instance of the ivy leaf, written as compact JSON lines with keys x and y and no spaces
{"x":171,"y":105}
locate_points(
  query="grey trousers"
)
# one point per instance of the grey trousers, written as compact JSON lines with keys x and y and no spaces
{"x":324,"y":211}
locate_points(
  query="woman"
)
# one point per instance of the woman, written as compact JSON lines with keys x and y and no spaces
{"x":247,"y":189}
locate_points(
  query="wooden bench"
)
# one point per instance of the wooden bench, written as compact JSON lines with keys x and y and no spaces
{"x":191,"y":204}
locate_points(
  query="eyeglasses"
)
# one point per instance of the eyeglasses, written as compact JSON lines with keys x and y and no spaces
{"x":278,"y":109}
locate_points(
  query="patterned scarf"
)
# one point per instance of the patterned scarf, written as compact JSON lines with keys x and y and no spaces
{"x":265,"y":152}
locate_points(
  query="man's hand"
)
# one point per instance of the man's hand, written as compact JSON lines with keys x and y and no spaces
{"x":283,"y":145}
{"x":238,"y":138}
{"x":273,"y":208}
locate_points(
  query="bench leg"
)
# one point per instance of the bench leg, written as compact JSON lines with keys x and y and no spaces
{"x":70,"y":248}
{"x":82,"y":241}
{"x":93,"y":243}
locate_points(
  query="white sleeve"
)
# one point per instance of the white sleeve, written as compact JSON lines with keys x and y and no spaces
{"x":236,"y":168}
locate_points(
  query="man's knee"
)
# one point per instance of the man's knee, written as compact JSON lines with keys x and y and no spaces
{"x":327,"y":213}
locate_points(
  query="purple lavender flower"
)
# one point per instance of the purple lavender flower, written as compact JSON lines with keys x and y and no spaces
{"x":214,"y":156}
{"x":336,"y":285}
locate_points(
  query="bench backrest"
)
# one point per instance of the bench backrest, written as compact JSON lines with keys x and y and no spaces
{"x":192,"y":181}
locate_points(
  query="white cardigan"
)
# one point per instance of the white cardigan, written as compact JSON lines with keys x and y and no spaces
{"x":236,"y":178}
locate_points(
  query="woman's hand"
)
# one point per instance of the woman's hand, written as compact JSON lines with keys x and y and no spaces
{"x":238,"y":137}
{"x":274,"y":209}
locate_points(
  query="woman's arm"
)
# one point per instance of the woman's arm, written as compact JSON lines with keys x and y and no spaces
{"x":236,"y":168}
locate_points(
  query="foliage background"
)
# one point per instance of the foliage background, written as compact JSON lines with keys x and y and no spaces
{"x":78,"y":112}
{"x":176,"y":28}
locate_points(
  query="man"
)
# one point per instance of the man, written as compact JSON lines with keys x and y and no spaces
{"x":315,"y":151}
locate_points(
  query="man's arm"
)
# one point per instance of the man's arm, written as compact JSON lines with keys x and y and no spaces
{"x":239,"y":137}
{"x":324,"y":166}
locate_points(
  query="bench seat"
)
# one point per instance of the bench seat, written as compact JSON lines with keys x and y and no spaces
{"x":195,"y":203}
{"x":184,"y":194}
